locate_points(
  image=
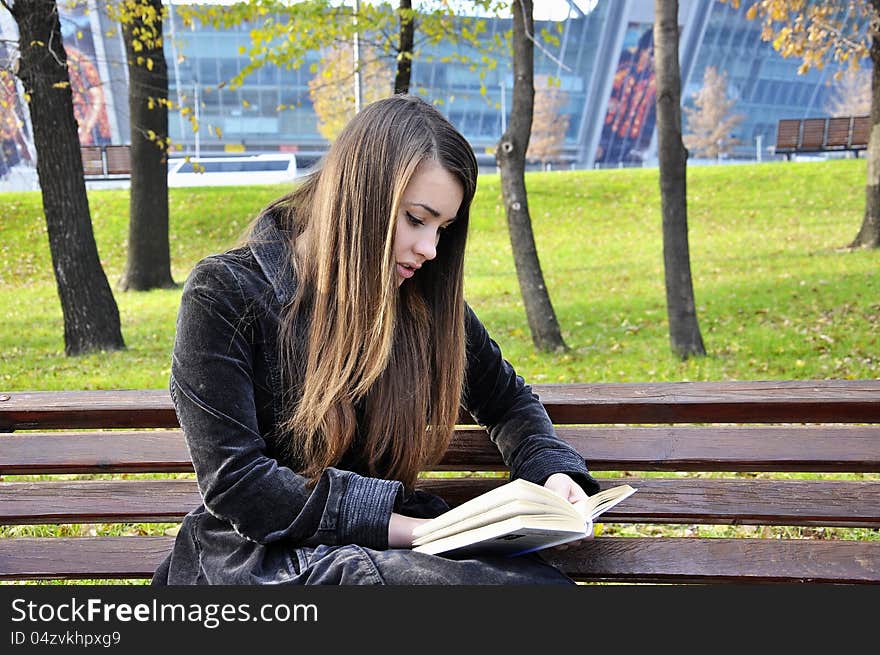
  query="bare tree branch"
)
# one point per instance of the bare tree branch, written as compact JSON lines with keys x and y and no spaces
{"x":52,"y":52}
{"x":837,"y":35}
{"x":540,"y":46}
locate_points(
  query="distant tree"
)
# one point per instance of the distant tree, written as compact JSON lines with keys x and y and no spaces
{"x":511,"y":158}
{"x":405,"y":45}
{"x":91,"y":316}
{"x":684,"y":330}
{"x":10,"y":122}
{"x":841,"y":31}
{"x":710,"y":123}
{"x":332,"y":88}
{"x":851,"y":94}
{"x":148,"y":265}
{"x":283,"y":33}
{"x":549,"y":123}
{"x":13,"y":145}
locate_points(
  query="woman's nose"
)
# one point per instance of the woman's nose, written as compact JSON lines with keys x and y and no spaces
{"x":426,"y":247}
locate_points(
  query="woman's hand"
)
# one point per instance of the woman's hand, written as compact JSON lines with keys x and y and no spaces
{"x":565,"y":486}
{"x":400,"y":530}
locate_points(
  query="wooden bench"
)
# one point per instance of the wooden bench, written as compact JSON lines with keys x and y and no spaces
{"x":106,"y":162}
{"x":806,"y":135}
{"x":679,"y":443}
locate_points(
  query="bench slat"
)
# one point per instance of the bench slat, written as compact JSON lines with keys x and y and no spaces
{"x":97,"y":501}
{"x":799,"y":401}
{"x":118,"y":160}
{"x":666,"y":559}
{"x":92,"y":160}
{"x":861,"y":132}
{"x":50,"y":410}
{"x":144,"y":451}
{"x":838,"y":132}
{"x":854,"y":449}
{"x":78,"y":558}
{"x":788,"y":132}
{"x":629,"y":559}
{"x":812,"y":134}
{"x":659,"y":500}
{"x":830,"y":503}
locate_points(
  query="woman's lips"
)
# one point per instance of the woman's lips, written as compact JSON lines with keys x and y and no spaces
{"x":405,"y":272}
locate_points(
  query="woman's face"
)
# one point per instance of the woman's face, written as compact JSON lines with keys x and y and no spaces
{"x":429,"y":205}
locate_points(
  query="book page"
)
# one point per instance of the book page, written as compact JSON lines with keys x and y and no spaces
{"x":604,"y":500}
{"x":513,"y":536}
{"x":507,"y":510}
{"x":518,"y":489}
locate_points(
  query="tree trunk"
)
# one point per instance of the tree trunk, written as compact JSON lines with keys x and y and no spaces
{"x":91,"y":317}
{"x":149,"y":259}
{"x":405,"y":47}
{"x":684,"y":332}
{"x":511,"y":158}
{"x":869,"y":234}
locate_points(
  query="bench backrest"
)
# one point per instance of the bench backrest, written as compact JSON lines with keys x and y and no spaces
{"x":839,"y":129}
{"x":725,"y":453}
{"x":118,"y":160}
{"x":106,"y":161}
{"x":788,"y":134}
{"x":822,"y":134}
{"x":861,"y":131}
{"x":92,"y":160}
{"x":812,"y":134}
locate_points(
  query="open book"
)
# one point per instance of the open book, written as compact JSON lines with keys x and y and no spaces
{"x":515,"y":518}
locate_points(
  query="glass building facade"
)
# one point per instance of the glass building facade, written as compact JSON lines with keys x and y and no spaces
{"x":601,"y":58}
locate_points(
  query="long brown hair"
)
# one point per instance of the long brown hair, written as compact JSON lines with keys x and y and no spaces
{"x":368,"y":365}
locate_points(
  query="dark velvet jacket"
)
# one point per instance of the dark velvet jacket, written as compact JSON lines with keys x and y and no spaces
{"x":225,"y":383}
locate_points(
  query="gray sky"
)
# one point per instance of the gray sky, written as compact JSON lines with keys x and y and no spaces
{"x":543,"y":9}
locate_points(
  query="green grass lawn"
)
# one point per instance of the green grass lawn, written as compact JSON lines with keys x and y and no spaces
{"x":778,"y":294}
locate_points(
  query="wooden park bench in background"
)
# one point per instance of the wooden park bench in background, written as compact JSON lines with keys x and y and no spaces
{"x":811,"y":135}
{"x":106,"y":162}
{"x":679,"y":443}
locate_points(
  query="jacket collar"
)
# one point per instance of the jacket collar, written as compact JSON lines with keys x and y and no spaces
{"x":270,"y":248}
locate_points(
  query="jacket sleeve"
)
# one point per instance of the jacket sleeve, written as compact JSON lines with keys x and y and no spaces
{"x":212,"y":387}
{"x":515,"y":418}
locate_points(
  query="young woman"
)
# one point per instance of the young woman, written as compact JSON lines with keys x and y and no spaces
{"x":319,"y":367}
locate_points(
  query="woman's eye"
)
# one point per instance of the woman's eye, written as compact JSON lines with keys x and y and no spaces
{"x":412,"y":219}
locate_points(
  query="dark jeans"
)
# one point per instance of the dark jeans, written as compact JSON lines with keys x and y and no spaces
{"x":356,"y":565}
